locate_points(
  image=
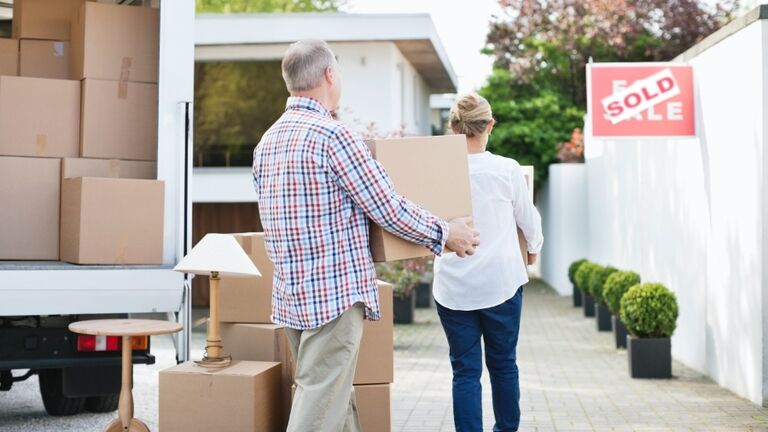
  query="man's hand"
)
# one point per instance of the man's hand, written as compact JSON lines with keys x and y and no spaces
{"x":532,"y":258}
{"x":462,"y":238}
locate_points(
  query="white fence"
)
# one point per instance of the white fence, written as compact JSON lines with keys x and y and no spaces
{"x":691,"y":213}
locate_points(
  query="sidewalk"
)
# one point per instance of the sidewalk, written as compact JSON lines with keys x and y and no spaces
{"x":572,"y":379}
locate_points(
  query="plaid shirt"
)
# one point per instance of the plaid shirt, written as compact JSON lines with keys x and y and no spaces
{"x":317,"y":185}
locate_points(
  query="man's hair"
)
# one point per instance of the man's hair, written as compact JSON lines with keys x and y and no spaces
{"x":305,"y":63}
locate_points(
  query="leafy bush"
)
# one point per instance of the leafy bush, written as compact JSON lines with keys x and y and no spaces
{"x":597,"y":280}
{"x":404,"y":275}
{"x":649,"y":311}
{"x":615,"y":286}
{"x":583,"y":274}
{"x":572,"y":270}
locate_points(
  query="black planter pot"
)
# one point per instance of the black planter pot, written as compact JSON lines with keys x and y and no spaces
{"x":649,"y":357}
{"x":589,"y":305}
{"x":576,"y":297}
{"x":603,"y":315}
{"x":424,"y":295}
{"x":403,"y":308}
{"x":620,"y":332}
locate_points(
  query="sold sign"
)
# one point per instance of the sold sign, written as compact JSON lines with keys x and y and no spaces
{"x":635,"y":100}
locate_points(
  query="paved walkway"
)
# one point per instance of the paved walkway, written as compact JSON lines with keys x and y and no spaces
{"x":572,"y":379}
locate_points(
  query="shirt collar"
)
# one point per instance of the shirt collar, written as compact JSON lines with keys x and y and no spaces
{"x":306,"y":104}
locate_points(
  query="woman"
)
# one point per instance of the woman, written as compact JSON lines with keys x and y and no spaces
{"x":482,"y":295}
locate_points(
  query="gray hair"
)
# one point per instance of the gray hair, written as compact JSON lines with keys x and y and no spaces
{"x":305,"y":63}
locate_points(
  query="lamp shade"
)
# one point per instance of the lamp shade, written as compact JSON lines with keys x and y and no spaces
{"x":218,"y":253}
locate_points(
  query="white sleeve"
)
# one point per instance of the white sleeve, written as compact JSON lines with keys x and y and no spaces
{"x":526,"y":215}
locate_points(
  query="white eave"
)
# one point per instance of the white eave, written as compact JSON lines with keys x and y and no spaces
{"x":413,"y":34}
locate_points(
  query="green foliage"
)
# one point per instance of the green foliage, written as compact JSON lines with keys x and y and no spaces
{"x":255,"y":6}
{"x":235,"y":103}
{"x":572,"y":269}
{"x":649,"y":311}
{"x":404,"y":275}
{"x":597,"y":280}
{"x":529,"y":127}
{"x":615,"y":286}
{"x":583,"y":275}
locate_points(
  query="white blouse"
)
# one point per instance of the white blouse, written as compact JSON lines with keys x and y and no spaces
{"x":500,"y":203}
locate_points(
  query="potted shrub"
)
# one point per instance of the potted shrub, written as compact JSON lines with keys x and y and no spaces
{"x":424,"y":287}
{"x":613,"y":290}
{"x":577,"y":300}
{"x":650,"y":312}
{"x":581,"y":277}
{"x":596,"y":281}
{"x":404,"y":276}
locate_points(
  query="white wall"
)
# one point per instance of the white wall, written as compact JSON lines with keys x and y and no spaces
{"x":689,"y":213}
{"x":563,"y":207}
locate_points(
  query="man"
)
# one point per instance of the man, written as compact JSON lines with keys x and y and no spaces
{"x":317,"y":185}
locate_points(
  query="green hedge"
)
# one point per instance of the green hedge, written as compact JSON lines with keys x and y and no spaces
{"x":583,"y":274}
{"x":597,"y":280}
{"x":572,"y":269}
{"x":649,"y":311}
{"x":616,"y":286}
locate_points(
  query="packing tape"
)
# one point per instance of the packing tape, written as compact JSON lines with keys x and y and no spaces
{"x":41,"y":144}
{"x":114,"y":168}
{"x":125,"y":75}
{"x":58,"y":49}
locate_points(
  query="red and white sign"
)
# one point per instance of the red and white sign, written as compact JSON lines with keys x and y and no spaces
{"x":640,"y":100}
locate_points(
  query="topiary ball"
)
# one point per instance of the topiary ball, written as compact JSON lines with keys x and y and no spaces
{"x":649,"y":311}
{"x":597,"y":280}
{"x":572,"y":270}
{"x":615,"y":286}
{"x":583,"y":274}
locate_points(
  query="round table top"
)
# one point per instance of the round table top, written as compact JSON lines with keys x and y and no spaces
{"x":124,"y":327}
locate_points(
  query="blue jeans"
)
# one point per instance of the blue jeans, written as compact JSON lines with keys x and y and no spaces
{"x":499,"y":327}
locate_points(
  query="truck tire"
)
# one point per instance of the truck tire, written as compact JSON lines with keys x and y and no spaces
{"x":56,"y":404}
{"x":102,"y":404}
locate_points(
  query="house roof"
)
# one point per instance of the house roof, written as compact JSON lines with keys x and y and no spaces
{"x":413,"y":34}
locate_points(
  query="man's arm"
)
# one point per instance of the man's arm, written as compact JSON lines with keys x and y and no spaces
{"x":370,"y":187}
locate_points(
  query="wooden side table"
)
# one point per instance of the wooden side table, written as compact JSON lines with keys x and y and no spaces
{"x":125,"y":328}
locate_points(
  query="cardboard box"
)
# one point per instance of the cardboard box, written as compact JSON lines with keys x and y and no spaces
{"x":262,"y":342}
{"x":9,"y":56}
{"x":44,"y":59}
{"x":39,"y":117}
{"x":115,"y":42}
{"x":249,"y":300}
{"x":443,"y":190}
{"x":44,"y":19}
{"x":373,"y":407}
{"x":119,"y":120}
{"x":528,"y":176}
{"x":237,"y":398}
{"x":29,"y":214}
{"x":375,"y":362}
{"x":112,"y":221}
{"x":112,"y":168}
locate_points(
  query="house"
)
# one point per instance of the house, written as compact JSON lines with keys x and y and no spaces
{"x":391,"y":64}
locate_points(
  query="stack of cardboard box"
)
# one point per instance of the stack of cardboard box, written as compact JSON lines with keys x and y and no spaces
{"x":78,"y":134}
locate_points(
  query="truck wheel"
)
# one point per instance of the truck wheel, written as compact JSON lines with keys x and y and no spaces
{"x":102,"y":404}
{"x":56,"y":404}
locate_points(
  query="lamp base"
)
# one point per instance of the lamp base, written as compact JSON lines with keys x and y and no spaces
{"x":214,"y":362}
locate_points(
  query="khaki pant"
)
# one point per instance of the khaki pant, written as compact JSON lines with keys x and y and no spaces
{"x":326,"y":358}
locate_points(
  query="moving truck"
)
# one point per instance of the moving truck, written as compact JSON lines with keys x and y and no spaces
{"x":39,"y":299}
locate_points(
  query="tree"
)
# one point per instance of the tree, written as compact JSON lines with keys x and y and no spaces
{"x":256,"y":6}
{"x":541,"y":47}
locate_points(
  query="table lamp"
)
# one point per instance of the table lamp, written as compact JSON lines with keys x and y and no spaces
{"x":216,"y":256}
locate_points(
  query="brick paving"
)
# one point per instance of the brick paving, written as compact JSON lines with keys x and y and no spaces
{"x":572,"y":379}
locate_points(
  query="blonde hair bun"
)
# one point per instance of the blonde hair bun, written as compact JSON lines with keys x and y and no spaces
{"x":470,"y":115}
